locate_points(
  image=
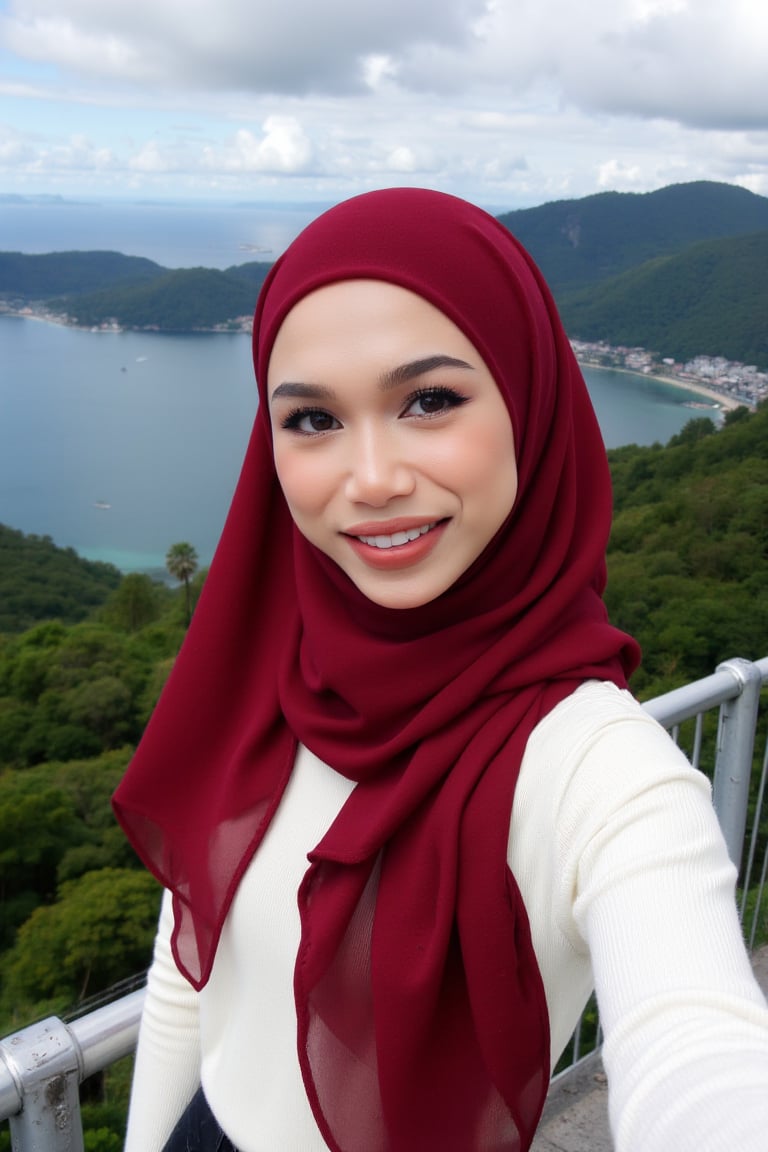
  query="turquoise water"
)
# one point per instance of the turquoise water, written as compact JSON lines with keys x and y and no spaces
{"x":156,"y":426}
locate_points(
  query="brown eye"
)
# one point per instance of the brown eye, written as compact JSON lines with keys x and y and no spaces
{"x":319,"y":421}
{"x":310,"y":421}
{"x":433,"y":402}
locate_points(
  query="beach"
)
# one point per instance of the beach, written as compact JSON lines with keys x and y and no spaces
{"x":716,"y":397}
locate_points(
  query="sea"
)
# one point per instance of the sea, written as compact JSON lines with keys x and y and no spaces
{"x":119,"y":444}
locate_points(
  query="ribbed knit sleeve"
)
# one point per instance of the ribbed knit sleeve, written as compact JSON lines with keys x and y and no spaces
{"x":167,"y":1070}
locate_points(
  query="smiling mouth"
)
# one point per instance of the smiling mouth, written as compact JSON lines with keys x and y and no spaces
{"x":397,"y":539}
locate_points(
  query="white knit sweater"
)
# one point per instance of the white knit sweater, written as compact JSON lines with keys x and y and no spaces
{"x":628,"y":886}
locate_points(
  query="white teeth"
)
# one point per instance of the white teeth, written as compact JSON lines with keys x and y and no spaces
{"x":397,"y":537}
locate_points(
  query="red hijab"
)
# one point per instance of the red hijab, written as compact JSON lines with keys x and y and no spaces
{"x":435,"y":1033}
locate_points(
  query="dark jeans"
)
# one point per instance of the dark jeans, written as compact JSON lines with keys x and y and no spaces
{"x":197,"y":1130}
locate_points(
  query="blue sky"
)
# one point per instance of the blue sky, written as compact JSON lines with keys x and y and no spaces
{"x":508,"y":102}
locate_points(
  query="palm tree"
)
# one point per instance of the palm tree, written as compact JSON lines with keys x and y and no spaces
{"x":181,"y":562}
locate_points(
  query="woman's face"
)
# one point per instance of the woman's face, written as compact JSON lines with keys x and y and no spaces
{"x":393,"y":445}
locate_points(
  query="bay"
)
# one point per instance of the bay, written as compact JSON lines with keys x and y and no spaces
{"x":120,"y":444}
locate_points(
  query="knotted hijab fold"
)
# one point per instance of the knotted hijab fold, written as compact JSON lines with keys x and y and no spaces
{"x":421,"y":1015}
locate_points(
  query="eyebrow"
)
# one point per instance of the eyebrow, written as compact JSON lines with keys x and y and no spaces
{"x":392,"y":378}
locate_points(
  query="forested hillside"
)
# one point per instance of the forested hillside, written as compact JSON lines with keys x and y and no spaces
{"x":39,"y":581}
{"x":688,"y":575}
{"x":711,"y":299}
{"x":77,"y":911}
{"x":688,"y":558}
{"x":94,"y":288}
{"x":70,"y":273}
{"x":188,"y":298}
{"x":577,"y":243}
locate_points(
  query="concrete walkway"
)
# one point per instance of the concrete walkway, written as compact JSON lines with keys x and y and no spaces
{"x":576,"y":1113}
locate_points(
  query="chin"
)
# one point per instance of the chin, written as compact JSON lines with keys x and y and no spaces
{"x":399,"y":598}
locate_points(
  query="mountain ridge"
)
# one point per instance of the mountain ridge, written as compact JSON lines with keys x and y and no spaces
{"x":611,"y":259}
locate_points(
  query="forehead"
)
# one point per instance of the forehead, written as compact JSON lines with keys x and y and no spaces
{"x":373,"y":319}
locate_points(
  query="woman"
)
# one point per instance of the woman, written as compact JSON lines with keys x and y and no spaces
{"x":404,"y":807}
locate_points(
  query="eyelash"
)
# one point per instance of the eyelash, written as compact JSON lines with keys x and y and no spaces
{"x":453,"y":399}
{"x":294,"y":418}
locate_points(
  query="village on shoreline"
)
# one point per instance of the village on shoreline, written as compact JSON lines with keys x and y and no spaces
{"x":725,"y":383}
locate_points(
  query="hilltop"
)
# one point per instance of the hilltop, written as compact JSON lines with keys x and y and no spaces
{"x":97,"y":289}
{"x":577,"y":243}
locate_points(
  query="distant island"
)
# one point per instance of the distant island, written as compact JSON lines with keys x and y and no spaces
{"x":672,"y":283}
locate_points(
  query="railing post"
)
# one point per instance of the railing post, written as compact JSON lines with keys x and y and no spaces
{"x":735,"y":745}
{"x":45,"y":1063}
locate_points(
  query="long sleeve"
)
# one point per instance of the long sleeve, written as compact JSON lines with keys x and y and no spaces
{"x":685,"y":1023}
{"x":167,"y":1070}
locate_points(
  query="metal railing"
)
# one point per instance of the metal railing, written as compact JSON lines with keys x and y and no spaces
{"x":42,"y":1066}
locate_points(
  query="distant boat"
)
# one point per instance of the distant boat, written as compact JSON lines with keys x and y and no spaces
{"x":102,"y":505}
{"x":140,"y":359}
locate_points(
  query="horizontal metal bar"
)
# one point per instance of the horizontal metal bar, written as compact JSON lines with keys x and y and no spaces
{"x":96,"y":1040}
{"x":109,"y":1033}
{"x":690,"y":699}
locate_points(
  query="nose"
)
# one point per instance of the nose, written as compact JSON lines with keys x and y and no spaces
{"x":378,"y":468}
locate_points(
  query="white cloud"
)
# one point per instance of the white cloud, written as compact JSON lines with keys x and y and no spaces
{"x":530,"y":99}
{"x":698,"y":62}
{"x":401,"y":159}
{"x":15,"y":151}
{"x":152,"y":158}
{"x":297,"y":46}
{"x":284,"y":148}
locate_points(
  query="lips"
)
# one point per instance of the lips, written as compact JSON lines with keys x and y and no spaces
{"x":396,"y":543}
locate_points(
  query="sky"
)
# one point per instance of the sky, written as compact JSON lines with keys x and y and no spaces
{"x":511,"y":103}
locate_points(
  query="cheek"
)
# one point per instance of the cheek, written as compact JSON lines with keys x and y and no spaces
{"x":292,"y":478}
{"x":483,"y":463}
{"x":303,"y":479}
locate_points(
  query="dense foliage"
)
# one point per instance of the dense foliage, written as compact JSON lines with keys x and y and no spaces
{"x":59,"y":273}
{"x":39,"y":581}
{"x":577,"y":243}
{"x":688,"y":575}
{"x":673,"y":305}
{"x":688,"y":557}
{"x":77,"y":911}
{"x":185,"y":300}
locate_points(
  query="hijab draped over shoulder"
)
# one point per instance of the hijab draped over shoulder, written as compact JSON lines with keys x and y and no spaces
{"x":421,"y":1014}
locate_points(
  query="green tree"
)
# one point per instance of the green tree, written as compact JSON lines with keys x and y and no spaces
{"x":38,"y":823}
{"x":134,"y":604}
{"x":39,"y":581}
{"x":181,"y":562}
{"x":101,"y":927}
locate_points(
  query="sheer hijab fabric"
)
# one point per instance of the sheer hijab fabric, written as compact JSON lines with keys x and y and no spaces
{"x":422,"y":1021}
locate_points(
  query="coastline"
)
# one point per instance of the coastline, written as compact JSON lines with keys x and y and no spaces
{"x":718,"y":400}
